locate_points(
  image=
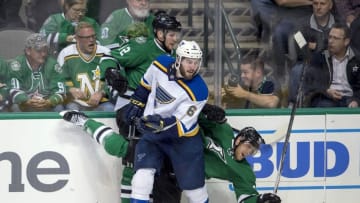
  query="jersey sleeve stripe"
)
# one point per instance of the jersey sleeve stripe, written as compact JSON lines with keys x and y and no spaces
{"x":160,"y":66}
{"x":187,"y":89}
{"x":101,"y":133}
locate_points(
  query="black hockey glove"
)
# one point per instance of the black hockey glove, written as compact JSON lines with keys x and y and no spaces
{"x":135,"y":109}
{"x":268,"y":198}
{"x":154,"y":123}
{"x":117,"y":83}
{"x":214,"y":113}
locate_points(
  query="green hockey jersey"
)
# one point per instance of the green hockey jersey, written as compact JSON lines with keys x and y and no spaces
{"x":135,"y":57}
{"x":220,"y":163}
{"x":82,"y":71}
{"x":25,"y":83}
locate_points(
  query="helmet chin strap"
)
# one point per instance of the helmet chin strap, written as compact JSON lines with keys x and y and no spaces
{"x":162,"y":42}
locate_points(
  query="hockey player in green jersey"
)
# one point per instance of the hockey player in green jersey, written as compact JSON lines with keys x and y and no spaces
{"x":134,"y":58}
{"x":81,"y":71}
{"x":113,"y":30}
{"x":59,"y":28}
{"x":138,"y":53}
{"x":35,"y":80}
{"x":225,"y":150}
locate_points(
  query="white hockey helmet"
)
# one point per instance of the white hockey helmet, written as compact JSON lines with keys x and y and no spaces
{"x":188,"y":49}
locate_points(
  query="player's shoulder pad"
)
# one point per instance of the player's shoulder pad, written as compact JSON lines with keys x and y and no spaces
{"x":198,"y":87}
{"x":165,"y":60}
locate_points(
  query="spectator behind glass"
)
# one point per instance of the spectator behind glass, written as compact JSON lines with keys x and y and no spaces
{"x":267,"y":13}
{"x":256,"y":90}
{"x":35,"y":79}
{"x":60,"y":28}
{"x":115,"y":26}
{"x":3,"y":87}
{"x":349,"y":10}
{"x":333,"y":80}
{"x":9,"y":14}
{"x":315,"y":29}
{"x":37,"y":11}
{"x":81,"y":71}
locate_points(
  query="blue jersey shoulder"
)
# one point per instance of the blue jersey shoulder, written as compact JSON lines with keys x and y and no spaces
{"x":198,"y":87}
{"x":165,"y":60}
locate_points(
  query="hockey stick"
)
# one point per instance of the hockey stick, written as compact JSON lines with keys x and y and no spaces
{"x":278,"y":135}
{"x":300,"y":40}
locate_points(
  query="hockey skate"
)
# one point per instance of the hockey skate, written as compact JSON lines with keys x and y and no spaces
{"x":76,"y":117}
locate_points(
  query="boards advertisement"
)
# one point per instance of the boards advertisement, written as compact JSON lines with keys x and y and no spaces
{"x":50,"y":160}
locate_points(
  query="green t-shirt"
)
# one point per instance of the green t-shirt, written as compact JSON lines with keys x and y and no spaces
{"x":56,"y":28}
{"x":116,"y":25}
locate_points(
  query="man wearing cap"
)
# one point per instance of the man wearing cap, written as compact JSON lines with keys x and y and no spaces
{"x":35,"y":82}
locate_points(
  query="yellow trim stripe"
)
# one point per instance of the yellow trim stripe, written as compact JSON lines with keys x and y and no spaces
{"x":146,"y":86}
{"x":71,"y":56}
{"x":160,"y":66}
{"x":192,"y":133}
{"x":187,"y":89}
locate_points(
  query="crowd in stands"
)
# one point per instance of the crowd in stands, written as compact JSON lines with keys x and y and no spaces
{"x":70,"y":35}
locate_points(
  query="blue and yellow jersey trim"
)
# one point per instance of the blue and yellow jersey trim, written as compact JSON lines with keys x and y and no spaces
{"x":188,"y":133}
{"x":195,"y":88}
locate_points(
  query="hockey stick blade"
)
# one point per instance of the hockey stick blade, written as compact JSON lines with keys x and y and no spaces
{"x":277,"y":136}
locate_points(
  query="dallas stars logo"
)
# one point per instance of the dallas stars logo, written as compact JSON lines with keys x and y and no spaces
{"x":96,"y":73}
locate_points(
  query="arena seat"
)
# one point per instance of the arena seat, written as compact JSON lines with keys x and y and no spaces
{"x":12,"y":41}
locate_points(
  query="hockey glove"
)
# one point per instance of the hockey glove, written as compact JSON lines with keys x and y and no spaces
{"x":214,"y":113}
{"x":154,"y":123}
{"x":117,"y":83}
{"x":76,"y":117}
{"x":268,"y":198}
{"x":135,"y":109}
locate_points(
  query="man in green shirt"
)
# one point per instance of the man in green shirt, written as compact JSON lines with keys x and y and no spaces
{"x":81,"y":71}
{"x":35,"y":82}
{"x":3,"y":87}
{"x":115,"y":26}
{"x":59,"y":28}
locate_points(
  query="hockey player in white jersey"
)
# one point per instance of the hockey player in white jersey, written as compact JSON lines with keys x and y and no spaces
{"x":165,"y":109}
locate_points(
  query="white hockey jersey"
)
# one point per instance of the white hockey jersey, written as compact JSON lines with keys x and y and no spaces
{"x":181,"y":98}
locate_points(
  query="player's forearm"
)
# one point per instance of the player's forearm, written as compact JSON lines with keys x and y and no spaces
{"x":265,"y":101}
